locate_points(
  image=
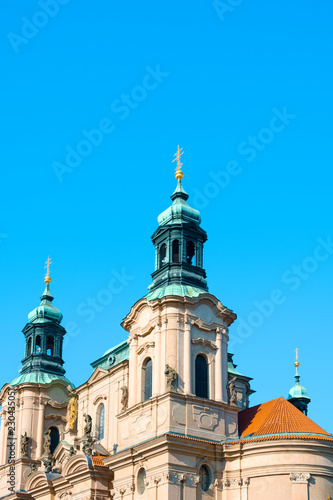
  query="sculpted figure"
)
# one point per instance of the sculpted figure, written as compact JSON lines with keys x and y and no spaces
{"x":87,"y":448}
{"x":47,"y":444}
{"x":124,"y":398}
{"x":87,"y":425}
{"x":171,"y":378}
{"x":24,"y":444}
{"x":33,"y":468}
{"x":232,"y":391}
{"x":48,"y":463}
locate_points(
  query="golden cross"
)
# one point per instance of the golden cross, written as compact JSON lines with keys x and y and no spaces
{"x":178,"y":155}
{"x":47,"y":267}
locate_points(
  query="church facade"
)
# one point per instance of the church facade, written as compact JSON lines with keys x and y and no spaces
{"x":165,"y":413}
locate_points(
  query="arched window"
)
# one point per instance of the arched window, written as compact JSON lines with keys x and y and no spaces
{"x":163,"y":258}
{"x":100,"y":417}
{"x":204,"y":478}
{"x":38,"y":348}
{"x":54,"y":435}
{"x":189,"y":252}
{"x":147,"y":379}
{"x":29,"y":349}
{"x":175,"y":251}
{"x":201,"y":377}
{"x":50,"y":345}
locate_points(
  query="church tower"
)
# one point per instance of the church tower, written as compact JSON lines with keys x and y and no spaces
{"x":178,"y":337}
{"x":35,"y":402}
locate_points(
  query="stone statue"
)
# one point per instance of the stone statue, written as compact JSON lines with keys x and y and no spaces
{"x":24,"y":441}
{"x":171,"y":378}
{"x":124,"y":398}
{"x":72,"y":410}
{"x":47,"y":444}
{"x":87,"y":448}
{"x":232,"y":391}
{"x":33,"y":468}
{"x":48,"y":463}
{"x":72,"y":452}
{"x":87,"y":425}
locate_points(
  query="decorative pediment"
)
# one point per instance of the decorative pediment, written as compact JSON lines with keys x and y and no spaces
{"x":77,"y":463}
{"x":145,"y":347}
{"x":97,"y":375}
{"x":204,"y":343}
{"x":36,"y":480}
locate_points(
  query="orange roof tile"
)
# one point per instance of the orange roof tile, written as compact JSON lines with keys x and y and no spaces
{"x":277,"y":417}
{"x":97,"y":460}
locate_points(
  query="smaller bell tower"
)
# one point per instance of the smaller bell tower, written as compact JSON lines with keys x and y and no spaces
{"x":298,"y":395}
{"x":44,"y":336}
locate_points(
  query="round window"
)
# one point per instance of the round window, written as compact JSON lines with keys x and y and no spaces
{"x":141,"y":481}
{"x":204,"y":478}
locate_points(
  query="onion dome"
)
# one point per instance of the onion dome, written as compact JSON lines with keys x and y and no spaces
{"x":179,"y":211}
{"x":45,"y":312}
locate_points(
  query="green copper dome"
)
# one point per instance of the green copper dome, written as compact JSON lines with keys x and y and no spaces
{"x":298,"y":391}
{"x":179,"y":210}
{"x":40,"y":378}
{"x":175,"y":289}
{"x":45,"y":312}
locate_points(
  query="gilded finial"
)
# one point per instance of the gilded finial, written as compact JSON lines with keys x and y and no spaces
{"x":47,"y":278}
{"x":179,"y":173}
{"x":297,"y":362}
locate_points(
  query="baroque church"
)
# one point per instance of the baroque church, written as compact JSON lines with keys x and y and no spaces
{"x":165,"y":413}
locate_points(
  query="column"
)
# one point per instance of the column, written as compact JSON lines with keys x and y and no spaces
{"x":157,"y":362}
{"x":133,"y":370}
{"x":224,"y":350}
{"x":187,"y":357}
{"x":300,"y":485}
{"x":40,"y":430}
{"x":162,"y":355}
{"x":218,"y":367}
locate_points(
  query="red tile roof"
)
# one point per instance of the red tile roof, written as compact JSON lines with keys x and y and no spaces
{"x":278,"y":417}
{"x":97,"y":460}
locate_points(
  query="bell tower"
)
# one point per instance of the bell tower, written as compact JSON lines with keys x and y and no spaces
{"x":178,"y":378}
{"x":178,"y":242}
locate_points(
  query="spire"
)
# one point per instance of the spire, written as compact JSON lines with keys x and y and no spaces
{"x":42,"y":360}
{"x":178,"y":242}
{"x":298,"y":395}
{"x":179,"y":173}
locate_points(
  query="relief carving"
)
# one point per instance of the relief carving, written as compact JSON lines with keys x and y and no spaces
{"x":205,"y":418}
{"x":300,"y":477}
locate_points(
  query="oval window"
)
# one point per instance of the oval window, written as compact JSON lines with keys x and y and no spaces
{"x":141,"y":481}
{"x":204,"y":478}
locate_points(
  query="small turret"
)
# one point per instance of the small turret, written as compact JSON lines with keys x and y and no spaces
{"x":298,"y":395}
{"x":42,"y":360}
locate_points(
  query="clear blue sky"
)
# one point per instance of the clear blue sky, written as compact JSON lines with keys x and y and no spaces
{"x":247,"y":93}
